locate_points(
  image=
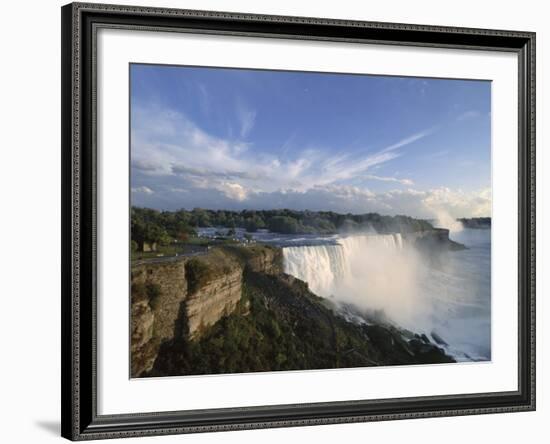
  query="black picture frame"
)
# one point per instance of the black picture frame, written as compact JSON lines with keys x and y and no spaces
{"x":80,"y":22}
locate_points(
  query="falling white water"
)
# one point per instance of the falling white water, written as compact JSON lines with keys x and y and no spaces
{"x":381,"y":273}
{"x":378,"y":263}
{"x":321,"y":266}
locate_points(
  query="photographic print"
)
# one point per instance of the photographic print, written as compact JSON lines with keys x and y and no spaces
{"x":286,"y":220}
{"x":347,"y":206}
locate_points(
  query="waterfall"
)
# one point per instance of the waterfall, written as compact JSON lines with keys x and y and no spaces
{"x":377,"y":273}
{"x":372,"y":272}
{"x":321,"y":266}
{"x":326,"y":268}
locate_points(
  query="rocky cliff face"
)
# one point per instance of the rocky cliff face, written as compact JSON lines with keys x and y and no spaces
{"x":165,"y":287}
{"x":265,"y":260}
{"x":212,"y":298}
{"x":180,"y":298}
{"x":435,"y":239}
{"x":158,"y":291}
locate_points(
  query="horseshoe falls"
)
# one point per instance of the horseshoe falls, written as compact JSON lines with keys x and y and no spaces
{"x":446,"y":294}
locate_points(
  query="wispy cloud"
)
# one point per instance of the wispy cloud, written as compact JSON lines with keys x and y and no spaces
{"x":408,"y":140}
{"x":188,"y":167}
{"x":407,"y":182}
{"x":142,"y":189}
{"x":437,"y":154}
{"x":246,"y":117}
{"x":166,"y":143}
{"x":205,"y":99}
{"x":467,"y":115}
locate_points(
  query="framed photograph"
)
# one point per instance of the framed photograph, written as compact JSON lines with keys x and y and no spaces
{"x":280,"y":221}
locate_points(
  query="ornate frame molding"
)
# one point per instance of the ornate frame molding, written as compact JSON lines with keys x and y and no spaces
{"x":80,"y":22}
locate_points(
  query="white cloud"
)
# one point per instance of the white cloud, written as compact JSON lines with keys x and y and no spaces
{"x":458,"y":202}
{"x":437,"y":203}
{"x":143,"y":189}
{"x":407,"y":182}
{"x":166,"y":143}
{"x":232,"y":190}
{"x":188,"y":167}
{"x":433,"y":203}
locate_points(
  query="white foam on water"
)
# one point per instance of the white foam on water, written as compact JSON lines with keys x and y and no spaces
{"x":450,"y":296}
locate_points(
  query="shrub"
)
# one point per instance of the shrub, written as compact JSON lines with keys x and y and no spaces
{"x":139,"y":292}
{"x":153,"y":294}
{"x":197,"y":274}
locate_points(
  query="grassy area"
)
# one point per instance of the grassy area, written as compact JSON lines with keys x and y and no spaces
{"x":250,"y":251}
{"x":168,"y":250}
{"x":202,"y":269}
{"x":192,"y":245}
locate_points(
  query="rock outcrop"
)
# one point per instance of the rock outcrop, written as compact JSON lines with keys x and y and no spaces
{"x":435,"y":239}
{"x":181,"y":297}
{"x":164,"y":286}
{"x":213,"y":298}
{"x":158,"y":290}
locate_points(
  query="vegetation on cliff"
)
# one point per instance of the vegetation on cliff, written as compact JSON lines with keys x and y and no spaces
{"x":147,"y":292}
{"x":280,"y":325}
{"x":203,"y":269}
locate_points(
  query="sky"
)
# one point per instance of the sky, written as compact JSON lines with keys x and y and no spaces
{"x":255,"y":139}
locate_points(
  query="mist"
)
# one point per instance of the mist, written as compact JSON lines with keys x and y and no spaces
{"x":419,"y":291}
{"x":371,"y":272}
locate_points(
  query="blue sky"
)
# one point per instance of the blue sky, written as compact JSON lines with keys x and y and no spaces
{"x":234,"y":139}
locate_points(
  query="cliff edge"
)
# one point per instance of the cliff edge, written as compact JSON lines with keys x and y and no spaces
{"x":234,"y":310}
{"x":181,"y":297}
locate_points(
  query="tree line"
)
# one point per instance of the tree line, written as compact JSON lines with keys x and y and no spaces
{"x":153,"y":226}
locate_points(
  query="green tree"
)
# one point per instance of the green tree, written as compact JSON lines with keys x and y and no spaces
{"x":283,"y":224}
{"x":253,"y":224}
{"x":182,"y":230}
{"x":150,"y":233}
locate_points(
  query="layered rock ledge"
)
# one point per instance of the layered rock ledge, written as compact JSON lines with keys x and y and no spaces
{"x":181,"y":297}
